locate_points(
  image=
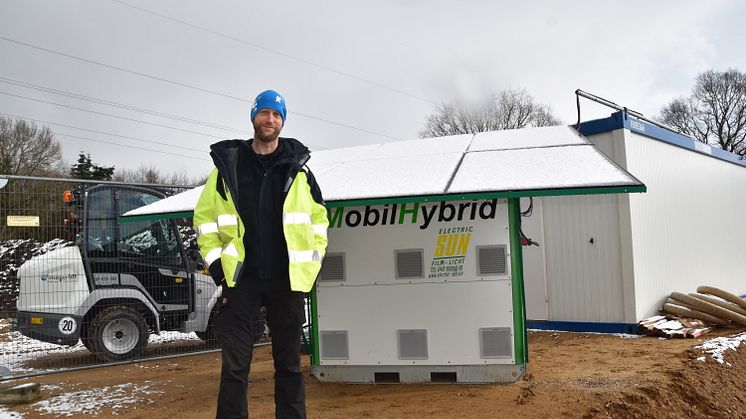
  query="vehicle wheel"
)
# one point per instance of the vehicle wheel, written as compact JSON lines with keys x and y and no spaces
{"x":84,"y":337}
{"x":118,"y":333}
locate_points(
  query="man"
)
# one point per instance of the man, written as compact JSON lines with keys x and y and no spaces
{"x":262,"y":231}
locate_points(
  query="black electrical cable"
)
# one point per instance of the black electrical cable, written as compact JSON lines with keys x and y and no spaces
{"x":530,"y":208}
{"x":119,"y":105}
{"x":276,"y":52}
{"x":102,"y":132}
{"x":185,"y":85}
{"x":529,"y":211}
{"x":111,"y":115}
{"x":130,"y":146}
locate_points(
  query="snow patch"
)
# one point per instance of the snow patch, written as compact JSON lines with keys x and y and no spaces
{"x":92,"y":401}
{"x":717,"y":347}
{"x":5,"y":413}
{"x":17,"y":349}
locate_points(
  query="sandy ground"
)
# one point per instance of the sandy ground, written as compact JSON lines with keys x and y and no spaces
{"x":569,"y":375}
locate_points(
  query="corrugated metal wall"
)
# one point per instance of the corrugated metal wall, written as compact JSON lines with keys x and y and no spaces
{"x":583,"y":258}
{"x":689,"y":228}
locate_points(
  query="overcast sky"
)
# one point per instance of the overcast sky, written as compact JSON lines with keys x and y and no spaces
{"x":352,"y":72}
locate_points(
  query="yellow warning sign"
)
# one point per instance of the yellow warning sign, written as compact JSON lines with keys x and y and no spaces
{"x":23,"y":221}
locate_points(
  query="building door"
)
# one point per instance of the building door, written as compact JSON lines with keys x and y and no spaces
{"x":583,"y":258}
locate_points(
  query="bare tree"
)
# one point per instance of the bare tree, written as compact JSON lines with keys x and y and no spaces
{"x":509,"y":109}
{"x":27,"y":150}
{"x":715,"y":112}
{"x":148,"y":173}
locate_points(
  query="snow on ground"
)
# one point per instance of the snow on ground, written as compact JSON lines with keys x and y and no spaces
{"x":17,"y":349}
{"x":717,"y":347}
{"x":92,"y":401}
{"x":9,"y":414}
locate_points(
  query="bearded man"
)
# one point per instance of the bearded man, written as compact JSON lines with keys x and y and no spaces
{"x":262,"y":226}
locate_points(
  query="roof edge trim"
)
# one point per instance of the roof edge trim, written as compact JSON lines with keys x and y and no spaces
{"x":618,"y":120}
{"x":597,"y":190}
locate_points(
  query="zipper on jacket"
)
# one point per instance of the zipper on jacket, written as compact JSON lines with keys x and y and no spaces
{"x":262,"y":245}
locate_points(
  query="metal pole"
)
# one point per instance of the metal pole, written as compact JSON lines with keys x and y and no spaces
{"x":516,"y":279}
{"x":626,"y":110}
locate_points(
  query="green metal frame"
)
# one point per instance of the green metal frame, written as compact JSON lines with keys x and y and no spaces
{"x":520,"y":334}
{"x":596,"y":190}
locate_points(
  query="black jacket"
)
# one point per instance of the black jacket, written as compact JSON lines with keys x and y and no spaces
{"x":258,"y":185}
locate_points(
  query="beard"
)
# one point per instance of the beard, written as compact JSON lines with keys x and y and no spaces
{"x":266,"y":135}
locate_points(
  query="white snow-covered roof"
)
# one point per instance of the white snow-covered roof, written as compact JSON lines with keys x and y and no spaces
{"x":179,"y":203}
{"x":570,"y":166}
{"x":530,"y":159}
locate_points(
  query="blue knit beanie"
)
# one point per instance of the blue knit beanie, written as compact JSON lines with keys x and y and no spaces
{"x":269,"y":99}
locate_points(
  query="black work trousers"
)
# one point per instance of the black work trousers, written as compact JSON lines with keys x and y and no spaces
{"x":237,"y":325}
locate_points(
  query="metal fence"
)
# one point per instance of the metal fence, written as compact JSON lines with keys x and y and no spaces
{"x":80,"y":288}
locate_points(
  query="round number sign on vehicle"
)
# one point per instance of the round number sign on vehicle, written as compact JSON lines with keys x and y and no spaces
{"x":67,"y":325}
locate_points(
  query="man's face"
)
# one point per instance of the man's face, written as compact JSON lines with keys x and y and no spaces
{"x":267,"y":125}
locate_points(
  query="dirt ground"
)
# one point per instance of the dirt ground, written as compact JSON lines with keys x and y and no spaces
{"x":569,"y":375}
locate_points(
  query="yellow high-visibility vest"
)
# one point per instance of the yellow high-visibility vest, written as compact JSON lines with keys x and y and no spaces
{"x":220,"y":231}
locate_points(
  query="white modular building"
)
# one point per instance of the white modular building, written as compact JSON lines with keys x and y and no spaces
{"x":608,"y":261}
{"x":422,"y":281}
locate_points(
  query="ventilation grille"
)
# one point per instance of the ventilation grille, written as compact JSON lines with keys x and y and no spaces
{"x":409,"y":264}
{"x":333,"y":267}
{"x":492,"y":260}
{"x":334,"y":344}
{"x":495,"y":342}
{"x":412,"y":344}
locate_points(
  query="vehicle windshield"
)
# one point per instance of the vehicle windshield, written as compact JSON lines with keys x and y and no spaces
{"x":106,"y":237}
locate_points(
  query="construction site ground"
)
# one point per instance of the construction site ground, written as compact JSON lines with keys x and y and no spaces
{"x":574,"y":375}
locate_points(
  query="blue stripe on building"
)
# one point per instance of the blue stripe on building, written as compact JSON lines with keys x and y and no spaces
{"x":620,"y":120}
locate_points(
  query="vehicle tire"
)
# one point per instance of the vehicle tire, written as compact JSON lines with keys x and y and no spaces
{"x":118,"y":333}
{"x":84,"y":336}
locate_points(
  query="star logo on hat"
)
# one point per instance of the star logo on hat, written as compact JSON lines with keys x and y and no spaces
{"x":278,"y":99}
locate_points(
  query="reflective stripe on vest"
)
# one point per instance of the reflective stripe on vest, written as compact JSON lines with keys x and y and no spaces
{"x":296,"y":218}
{"x":319,"y":229}
{"x":227,"y":220}
{"x":230,"y":250}
{"x":304,"y":256}
{"x":213,"y":255}
{"x":207,"y":228}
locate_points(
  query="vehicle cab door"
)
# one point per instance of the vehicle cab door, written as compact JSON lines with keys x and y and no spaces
{"x":146,"y":255}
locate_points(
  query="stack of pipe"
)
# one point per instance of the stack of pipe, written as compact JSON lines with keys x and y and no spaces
{"x":710,"y":304}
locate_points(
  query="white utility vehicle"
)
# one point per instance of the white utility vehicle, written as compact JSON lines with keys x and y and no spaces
{"x":120,"y":283}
